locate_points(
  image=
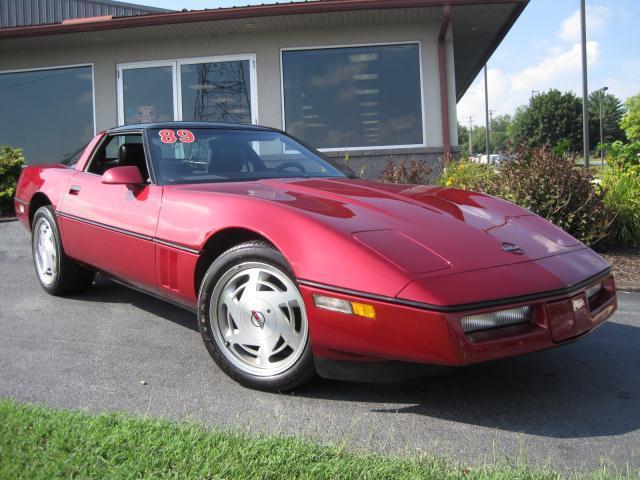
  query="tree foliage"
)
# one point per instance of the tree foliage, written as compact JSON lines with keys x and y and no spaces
{"x":499,"y":136}
{"x":551,"y":118}
{"x":11,"y":161}
{"x":631,"y":120}
{"x":612,"y":112}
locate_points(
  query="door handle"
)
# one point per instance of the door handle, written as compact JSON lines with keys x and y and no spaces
{"x":74,"y":190}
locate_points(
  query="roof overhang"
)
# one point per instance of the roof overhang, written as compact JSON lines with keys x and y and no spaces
{"x":478,"y":25}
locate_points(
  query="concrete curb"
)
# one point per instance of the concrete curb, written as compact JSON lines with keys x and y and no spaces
{"x":627,"y":286}
{"x":8,"y":219}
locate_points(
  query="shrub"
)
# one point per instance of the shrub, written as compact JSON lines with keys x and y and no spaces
{"x":11,"y":161}
{"x":470,"y":176}
{"x":552,"y":187}
{"x":416,"y":172}
{"x":624,"y":155}
{"x":622,"y":195}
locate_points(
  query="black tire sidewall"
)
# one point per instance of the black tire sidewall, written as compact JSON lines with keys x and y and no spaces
{"x":46,"y":214}
{"x":298,"y":373}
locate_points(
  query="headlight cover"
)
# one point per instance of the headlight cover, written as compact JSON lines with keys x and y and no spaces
{"x":500,"y":318}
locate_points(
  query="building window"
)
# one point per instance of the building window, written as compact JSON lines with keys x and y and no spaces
{"x":354,"y":97}
{"x":148,"y":94}
{"x":219,"y":89}
{"x":48,"y":113}
{"x":216,"y":91}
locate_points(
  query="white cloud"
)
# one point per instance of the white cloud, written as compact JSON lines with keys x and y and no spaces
{"x":598,"y":17}
{"x":627,"y":80}
{"x":561,"y":69}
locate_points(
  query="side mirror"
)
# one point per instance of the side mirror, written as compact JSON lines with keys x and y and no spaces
{"x":129,"y":175}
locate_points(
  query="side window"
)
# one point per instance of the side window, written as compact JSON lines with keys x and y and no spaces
{"x":118,"y":151}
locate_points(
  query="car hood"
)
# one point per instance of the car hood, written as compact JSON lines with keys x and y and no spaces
{"x":420,"y":229}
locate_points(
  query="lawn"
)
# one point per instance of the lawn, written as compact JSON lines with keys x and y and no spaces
{"x":43,"y":443}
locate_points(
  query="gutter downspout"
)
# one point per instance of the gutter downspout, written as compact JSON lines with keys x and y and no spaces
{"x":444,"y":87}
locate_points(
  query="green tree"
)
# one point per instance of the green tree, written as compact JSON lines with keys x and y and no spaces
{"x":612,"y":112}
{"x":463,"y":140}
{"x":631,"y":120}
{"x":499,"y":136}
{"x":551,"y":118}
{"x":500,"y":127}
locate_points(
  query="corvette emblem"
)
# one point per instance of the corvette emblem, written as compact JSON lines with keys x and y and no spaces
{"x":578,"y":304}
{"x":511,"y":248}
{"x":257,"y":318}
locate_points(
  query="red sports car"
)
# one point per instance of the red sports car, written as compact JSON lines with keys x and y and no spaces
{"x":296,"y":267}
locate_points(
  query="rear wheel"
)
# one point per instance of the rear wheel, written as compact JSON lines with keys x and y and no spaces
{"x":253,"y":320}
{"x":57,"y":273}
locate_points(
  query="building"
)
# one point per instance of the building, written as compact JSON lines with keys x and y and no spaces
{"x":374,"y":79}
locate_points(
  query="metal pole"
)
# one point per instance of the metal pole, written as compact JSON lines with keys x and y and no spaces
{"x":585,"y":88}
{"x":486,"y":108}
{"x":603,"y":89}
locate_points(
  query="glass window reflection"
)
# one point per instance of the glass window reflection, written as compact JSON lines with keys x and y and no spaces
{"x":147,"y":94}
{"x":47,"y":113}
{"x":354,"y":97}
{"x":216,"y":92}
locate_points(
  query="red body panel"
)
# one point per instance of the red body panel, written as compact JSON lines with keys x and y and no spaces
{"x":377,"y":243}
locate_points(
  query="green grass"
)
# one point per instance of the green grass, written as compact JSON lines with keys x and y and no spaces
{"x":43,"y":443}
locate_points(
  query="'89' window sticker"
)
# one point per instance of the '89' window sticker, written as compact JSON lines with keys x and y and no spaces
{"x":171,"y":136}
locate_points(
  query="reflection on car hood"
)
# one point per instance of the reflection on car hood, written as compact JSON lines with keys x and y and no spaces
{"x":468,"y":230}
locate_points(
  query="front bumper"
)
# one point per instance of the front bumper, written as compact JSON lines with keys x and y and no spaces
{"x":404,"y":333}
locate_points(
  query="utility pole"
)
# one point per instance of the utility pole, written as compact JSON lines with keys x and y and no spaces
{"x":486,"y":109}
{"x":585,"y":88}
{"x":534,"y":93}
{"x":470,"y":132}
{"x":491,"y":112}
{"x":603,"y":89}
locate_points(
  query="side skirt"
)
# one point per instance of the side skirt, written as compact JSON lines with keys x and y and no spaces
{"x":156,"y":295}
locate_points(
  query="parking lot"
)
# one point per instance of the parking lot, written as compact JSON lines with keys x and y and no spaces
{"x":116,"y":349}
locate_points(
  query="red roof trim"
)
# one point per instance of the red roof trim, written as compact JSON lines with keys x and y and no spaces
{"x":322,"y":6}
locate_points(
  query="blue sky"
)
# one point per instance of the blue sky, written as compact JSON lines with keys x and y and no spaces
{"x":542,"y":51}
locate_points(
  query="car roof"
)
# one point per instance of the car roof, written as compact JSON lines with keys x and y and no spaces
{"x":177,"y":125}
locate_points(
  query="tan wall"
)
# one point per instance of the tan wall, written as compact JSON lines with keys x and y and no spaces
{"x":266,"y":47}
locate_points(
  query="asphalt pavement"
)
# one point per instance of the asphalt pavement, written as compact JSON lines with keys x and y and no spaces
{"x":115,"y":349}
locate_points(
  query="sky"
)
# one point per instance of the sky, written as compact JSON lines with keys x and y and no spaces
{"x":542,"y":51}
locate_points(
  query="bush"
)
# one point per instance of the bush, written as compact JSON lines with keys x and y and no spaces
{"x":11,"y":161}
{"x":624,"y":155}
{"x":622,"y":195}
{"x":416,"y":172}
{"x":545,"y":183}
{"x":470,"y":176}
{"x":552,"y":187}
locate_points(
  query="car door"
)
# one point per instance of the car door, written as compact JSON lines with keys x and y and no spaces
{"x":111,"y":227}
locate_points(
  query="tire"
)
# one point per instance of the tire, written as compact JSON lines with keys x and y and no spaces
{"x":56,"y":272}
{"x":253,"y":320}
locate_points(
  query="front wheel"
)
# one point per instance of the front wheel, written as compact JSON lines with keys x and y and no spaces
{"x":253,"y":320}
{"x":57,"y":273}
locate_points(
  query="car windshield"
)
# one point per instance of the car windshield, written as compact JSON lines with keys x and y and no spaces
{"x":197,"y":155}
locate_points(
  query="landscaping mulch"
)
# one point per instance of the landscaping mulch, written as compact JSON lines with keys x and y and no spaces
{"x":625,"y":262}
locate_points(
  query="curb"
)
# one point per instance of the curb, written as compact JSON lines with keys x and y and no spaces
{"x":8,"y":219}
{"x":627,"y":286}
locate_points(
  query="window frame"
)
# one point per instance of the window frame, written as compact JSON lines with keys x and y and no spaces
{"x":356,"y":45}
{"x":107,"y":137}
{"x":175,"y":64}
{"x":62,"y":67}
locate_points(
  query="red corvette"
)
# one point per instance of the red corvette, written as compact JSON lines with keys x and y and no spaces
{"x":297,"y":267}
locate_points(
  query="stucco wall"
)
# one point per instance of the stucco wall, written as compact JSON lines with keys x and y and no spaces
{"x":266,"y":47}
